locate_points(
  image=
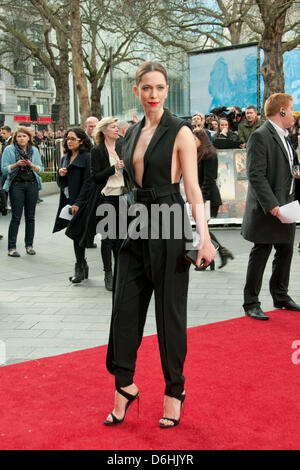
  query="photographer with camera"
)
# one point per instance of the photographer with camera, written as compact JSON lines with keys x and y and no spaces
{"x":234,"y":116}
{"x":21,"y":163}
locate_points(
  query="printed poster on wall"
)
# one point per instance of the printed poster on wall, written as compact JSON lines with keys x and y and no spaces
{"x":233,"y":185}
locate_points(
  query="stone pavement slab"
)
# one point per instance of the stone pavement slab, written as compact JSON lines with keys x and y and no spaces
{"x":43,"y":314}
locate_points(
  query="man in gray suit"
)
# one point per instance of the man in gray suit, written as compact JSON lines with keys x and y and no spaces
{"x":270,"y":159}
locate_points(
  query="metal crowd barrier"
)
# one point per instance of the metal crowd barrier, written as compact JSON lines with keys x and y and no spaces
{"x":51,"y":152}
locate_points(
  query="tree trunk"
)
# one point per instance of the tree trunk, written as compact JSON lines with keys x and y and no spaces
{"x":95,"y":99}
{"x":272,"y":67}
{"x":63,"y":100}
{"x":235,"y":32}
{"x":78,"y":67}
{"x":273,"y":15}
{"x":62,"y":79}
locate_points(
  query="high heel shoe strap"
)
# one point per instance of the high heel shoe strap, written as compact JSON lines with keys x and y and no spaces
{"x":182,"y":397}
{"x":127,"y":395}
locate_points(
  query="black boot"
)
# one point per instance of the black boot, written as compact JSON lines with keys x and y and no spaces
{"x":108,"y":280}
{"x":85,"y":269}
{"x":224,"y":255}
{"x":78,"y":275}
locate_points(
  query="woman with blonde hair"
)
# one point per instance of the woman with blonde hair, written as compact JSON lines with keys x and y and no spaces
{"x":107,"y":174}
{"x":21,"y":162}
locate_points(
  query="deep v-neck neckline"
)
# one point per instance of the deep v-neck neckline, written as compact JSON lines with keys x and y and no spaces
{"x":149,"y":146}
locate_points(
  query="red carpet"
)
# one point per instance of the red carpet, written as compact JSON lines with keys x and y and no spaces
{"x":242,"y":393}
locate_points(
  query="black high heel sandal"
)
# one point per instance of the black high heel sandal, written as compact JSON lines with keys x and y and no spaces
{"x":174,"y":421}
{"x":131,"y":399}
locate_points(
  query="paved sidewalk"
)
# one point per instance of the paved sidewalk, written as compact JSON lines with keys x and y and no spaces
{"x":43,"y":314}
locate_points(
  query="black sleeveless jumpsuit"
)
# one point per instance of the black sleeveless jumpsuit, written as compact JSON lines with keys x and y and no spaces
{"x":156,"y":264}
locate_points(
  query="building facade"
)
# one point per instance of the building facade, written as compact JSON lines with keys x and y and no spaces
{"x":25,"y":82}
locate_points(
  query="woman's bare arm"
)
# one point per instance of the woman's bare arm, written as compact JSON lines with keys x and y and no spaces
{"x":185,"y":148}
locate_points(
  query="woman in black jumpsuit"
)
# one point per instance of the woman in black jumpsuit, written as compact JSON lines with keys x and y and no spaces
{"x":155,"y":260}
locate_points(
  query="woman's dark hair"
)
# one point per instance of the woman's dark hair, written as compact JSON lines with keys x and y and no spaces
{"x":85,"y":145}
{"x":206,"y":149}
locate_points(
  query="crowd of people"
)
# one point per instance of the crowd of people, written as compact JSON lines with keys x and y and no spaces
{"x":224,"y":127}
{"x":108,"y":162}
{"x":15,"y":157}
{"x":231,"y":127}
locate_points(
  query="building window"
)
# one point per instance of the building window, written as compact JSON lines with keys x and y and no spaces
{"x":21,"y":81}
{"x":39,"y":83}
{"x":36,"y":34}
{"x":23,"y":105}
{"x":42,"y":106}
{"x":39,"y":72}
{"x":20,"y":73}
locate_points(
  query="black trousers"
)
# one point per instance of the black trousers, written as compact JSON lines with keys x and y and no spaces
{"x":79,"y":252}
{"x":144,"y":266}
{"x":22,"y":196}
{"x":110,"y":246}
{"x":279,"y":280}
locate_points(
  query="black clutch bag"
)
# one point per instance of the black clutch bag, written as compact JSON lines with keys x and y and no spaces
{"x":192,"y":255}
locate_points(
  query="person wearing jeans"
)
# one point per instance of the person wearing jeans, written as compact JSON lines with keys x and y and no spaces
{"x":21,"y":162}
{"x":22,"y":195}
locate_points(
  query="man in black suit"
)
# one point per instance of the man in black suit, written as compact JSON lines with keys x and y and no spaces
{"x":270,"y":158}
{"x":6,"y":136}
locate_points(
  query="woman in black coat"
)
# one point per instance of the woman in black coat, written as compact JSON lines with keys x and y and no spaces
{"x":207,"y":175}
{"x":107,"y":170}
{"x":74,"y":180}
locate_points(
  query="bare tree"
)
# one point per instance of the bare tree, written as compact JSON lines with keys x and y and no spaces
{"x":276,"y":21}
{"x":16,"y":24}
{"x":78,"y":62}
{"x":274,"y":24}
{"x":112,"y":37}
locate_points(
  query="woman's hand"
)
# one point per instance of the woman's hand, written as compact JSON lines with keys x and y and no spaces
{"x":75,"y":209}
{"x":119,"y":165}
{"x":21,"y":163}
{"x":34,"y":167}
{"x":207,"y":252}
{"x":62,"y":171}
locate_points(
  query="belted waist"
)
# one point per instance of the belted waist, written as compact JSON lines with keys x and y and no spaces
{"x":152,"y":194}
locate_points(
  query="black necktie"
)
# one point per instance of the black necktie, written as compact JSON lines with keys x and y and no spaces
{"x":291,"y":159}
{"x":290,"y":152}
